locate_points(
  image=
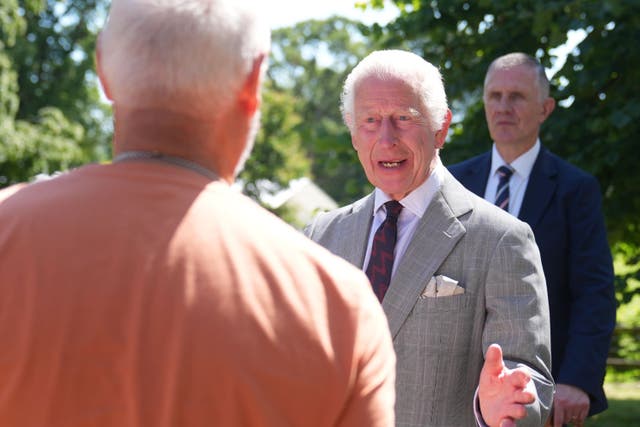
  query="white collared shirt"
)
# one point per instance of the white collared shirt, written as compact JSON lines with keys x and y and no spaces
{"x":522,"y":167}
{"x":414,"y":206}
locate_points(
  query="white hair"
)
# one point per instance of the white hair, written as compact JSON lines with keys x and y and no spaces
{"x":191,"y":54}
{"x":419,"y":74}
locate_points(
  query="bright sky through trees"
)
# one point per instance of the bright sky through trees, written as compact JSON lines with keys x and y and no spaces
{"x":284,"y":13}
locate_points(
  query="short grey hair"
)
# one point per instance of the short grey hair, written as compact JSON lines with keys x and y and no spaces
{"x":518,"y":58}
{"x":192,"y":54}
{"x":418,"y":73}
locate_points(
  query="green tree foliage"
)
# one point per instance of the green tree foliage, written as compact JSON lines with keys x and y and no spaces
{"x":50,"y":114}
{"x":277,"y":156}
{"x":55,"y":64}
{"x":598,"y":117}
{"x":310,"y":61}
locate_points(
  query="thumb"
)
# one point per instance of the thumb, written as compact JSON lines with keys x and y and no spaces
{"x":493,"y":359}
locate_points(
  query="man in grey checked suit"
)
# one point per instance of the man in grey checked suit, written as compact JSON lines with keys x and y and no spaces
{"x":465,"y":275}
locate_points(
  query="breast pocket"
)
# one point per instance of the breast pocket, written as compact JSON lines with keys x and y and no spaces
{"x":428,"y":305}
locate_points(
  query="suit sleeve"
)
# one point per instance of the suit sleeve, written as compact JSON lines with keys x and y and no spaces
{"x":592,"y":295}
{"x":518,"y":314}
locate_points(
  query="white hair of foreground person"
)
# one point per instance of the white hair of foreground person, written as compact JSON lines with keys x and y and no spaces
{"x":143,"y":56}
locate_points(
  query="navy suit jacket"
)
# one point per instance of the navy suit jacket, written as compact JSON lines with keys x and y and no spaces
{"x":562,"y":204}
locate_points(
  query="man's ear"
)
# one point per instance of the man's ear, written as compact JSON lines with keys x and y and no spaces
{"x":250,"y":94}
{"x":101,"y":76}
{"x":548,"y":105}
{"x":441,"y":135}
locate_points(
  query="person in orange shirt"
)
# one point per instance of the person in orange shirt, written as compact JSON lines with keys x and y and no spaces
{"x":147,"y":292}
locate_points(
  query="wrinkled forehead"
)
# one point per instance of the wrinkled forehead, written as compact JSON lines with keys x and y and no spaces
{"x":394,"y":99}
{"x":515,"y":77}
{"x":387,"y":90}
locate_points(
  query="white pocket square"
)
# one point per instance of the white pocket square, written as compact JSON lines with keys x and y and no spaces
{"x":442,"y":286}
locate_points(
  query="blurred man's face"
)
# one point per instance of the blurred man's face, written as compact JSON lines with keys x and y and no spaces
{"x":513,"y":107}
{"x":392,"y":136}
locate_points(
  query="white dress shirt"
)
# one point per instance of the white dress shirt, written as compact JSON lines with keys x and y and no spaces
{"x":522,"y":167}
{"x":414,"y":206}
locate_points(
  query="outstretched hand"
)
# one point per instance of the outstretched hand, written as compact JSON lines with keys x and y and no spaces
{"x":570,"y":406}
{"x":503,"y":392}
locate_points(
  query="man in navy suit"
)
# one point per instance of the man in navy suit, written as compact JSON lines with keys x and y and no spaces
{"x":562,"y":204}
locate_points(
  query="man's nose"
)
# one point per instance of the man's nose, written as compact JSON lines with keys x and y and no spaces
{"x":387,"y":131}
{"x":503,"y":104}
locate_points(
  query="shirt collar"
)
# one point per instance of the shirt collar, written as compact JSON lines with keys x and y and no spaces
{"x":521,"y":166}
{"x":418,"y":200}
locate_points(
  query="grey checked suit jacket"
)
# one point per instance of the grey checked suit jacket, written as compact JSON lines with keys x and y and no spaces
{"x":440,"y":342}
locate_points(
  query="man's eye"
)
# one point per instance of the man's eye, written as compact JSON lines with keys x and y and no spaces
{"x":404,"y":118}
{"x":370,"y":120}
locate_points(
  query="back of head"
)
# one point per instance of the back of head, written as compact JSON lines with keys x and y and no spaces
{"x":180,"y":54}
{"x":421,"y":75}
{"x":516,"y":59}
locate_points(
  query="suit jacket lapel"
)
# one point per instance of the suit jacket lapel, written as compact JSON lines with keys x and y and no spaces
{"x":540,"y":189}
{"x":353,"y":241}
{"x":434,"y":238}
{"x":475,"y":178}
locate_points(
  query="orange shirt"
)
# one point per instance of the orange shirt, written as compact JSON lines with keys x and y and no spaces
{"x":142,"y":294}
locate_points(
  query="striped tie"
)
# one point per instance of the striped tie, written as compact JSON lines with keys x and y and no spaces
{"x":502,"y":194}
{"x":381,"y":258}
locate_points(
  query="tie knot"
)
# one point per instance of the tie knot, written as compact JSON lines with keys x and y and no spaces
{"x":393,"y":208}
{"x":505,"y":172}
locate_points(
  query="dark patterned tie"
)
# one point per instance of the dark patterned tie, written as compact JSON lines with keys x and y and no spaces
{"x":502,"y":194}
{"x":384,"y":241}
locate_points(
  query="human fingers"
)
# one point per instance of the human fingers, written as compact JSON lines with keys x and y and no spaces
{"x":507,"y":423}
{"x":572,"y":403}
{"x":579,"y":418}
{"x":493,"y":362}
{"x":576,"y":421}
{"x":570,"y":419}
{"x":558,"y":416}
{"x":514,"y":411}
{"x":519,"y":378}
{"x":523,"y":397}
